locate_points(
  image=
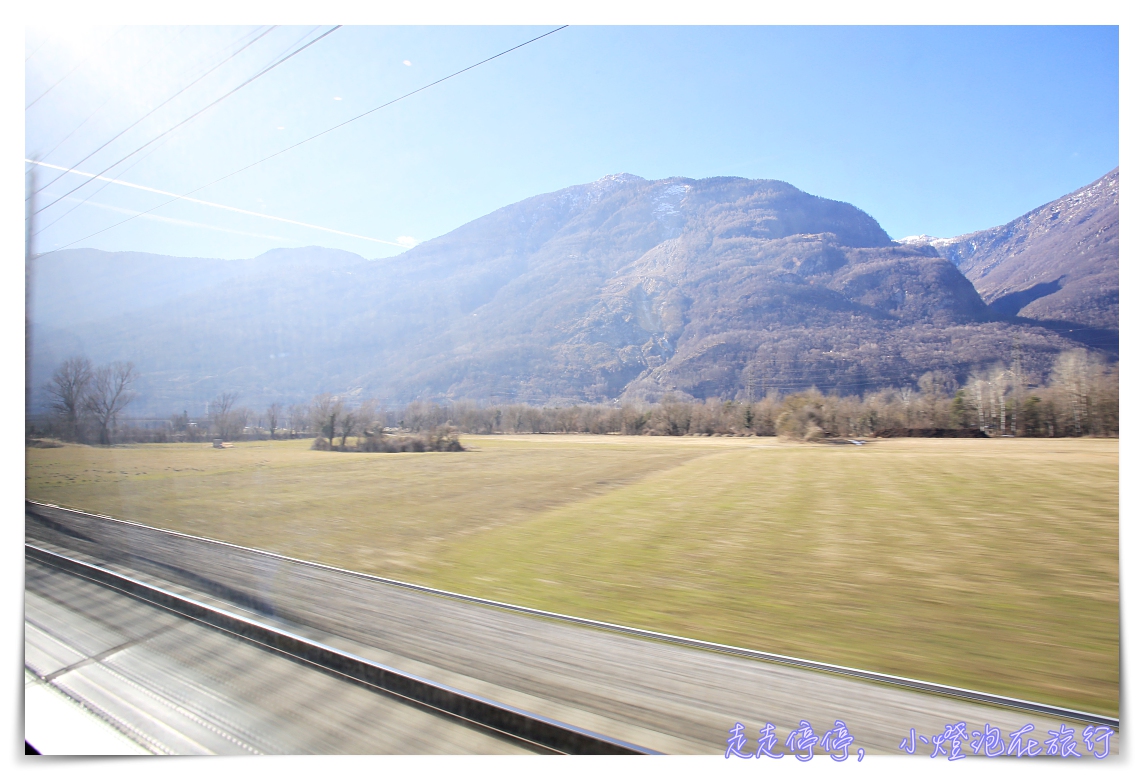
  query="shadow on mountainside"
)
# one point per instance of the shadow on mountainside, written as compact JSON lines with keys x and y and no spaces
{"x":1104,"y":339}
{"x":1011,"y":304}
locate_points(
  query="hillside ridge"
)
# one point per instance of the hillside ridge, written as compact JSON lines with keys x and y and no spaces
{"x":619,"y":288}
{"x":1057,"y":262}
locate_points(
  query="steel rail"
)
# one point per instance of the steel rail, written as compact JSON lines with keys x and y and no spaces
{"x":507,"y":720}
{"x":758,"y":655}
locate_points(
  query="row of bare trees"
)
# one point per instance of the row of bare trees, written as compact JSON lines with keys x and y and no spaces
{"x":337,"y":420}
{"x":334,"y":417}
{"x":87,"y":400}
{"x":1081,"y":398}
{"x":224,"y":419}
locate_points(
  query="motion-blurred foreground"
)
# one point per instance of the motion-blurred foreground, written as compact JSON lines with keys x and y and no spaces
{"x":856,"y":581}
{"x":178,"y":687}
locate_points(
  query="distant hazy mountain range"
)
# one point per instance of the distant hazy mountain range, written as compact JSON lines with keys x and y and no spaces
{"x":621,"y":288}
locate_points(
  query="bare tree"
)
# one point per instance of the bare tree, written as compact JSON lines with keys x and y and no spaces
{"x":325,"y":410}
{"x":219,"y":413}
{"x":999,"y":383}
{"x":979,"y":385}
{"x":1020,"y":384}
{"x":68,"y":390}
{"x":348,"y":425}
{"x":1073,"y":374}
{"x":934,"y":387}
{"x":299,"y":419}
{"x":238,"y":420}
{"x":906,"y":395}
{"x":110,"y":392}
{"x":371,"y":417}
{"x":273,"y":412}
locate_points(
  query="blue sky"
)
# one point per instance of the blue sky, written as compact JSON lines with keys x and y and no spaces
{"x":939,"y":130}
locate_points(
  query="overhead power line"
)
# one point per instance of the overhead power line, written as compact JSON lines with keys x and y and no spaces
{"x":378,"y":108}
{"x":156,"y":108}
{"x":205,"y":60}
{"x":73,"y":132}
{"x":209,"y":106}
{"x":212,"y":205}
{"x":107,"y":100}
{"x":154,"y":148}
{"x":100,"y":189}
{"x":73,"y":70}
{"x":318,"y":135}
{"x":33,"y":54}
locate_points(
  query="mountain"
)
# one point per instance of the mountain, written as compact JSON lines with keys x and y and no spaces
{"x":74,"y":286}
{"x":620,"y":288}
{"x":1059,"y":263}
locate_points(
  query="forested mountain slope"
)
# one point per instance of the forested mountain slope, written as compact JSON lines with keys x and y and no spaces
{"x":622,"y":287}
{"x":1059,"y":262}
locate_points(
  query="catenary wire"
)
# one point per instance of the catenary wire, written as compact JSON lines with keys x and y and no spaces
{"x":73,"y":70}
{"x":209,"y":106}
{"x":43,"y":43}
{"x":311,"y":138}
{"x":208,"y":203}
{"x":41,"y":161}
{"x":107,"y":182}
{"x":378,"y":108}
{"x":166,"y":46}
{"x":152,"y":111}
{"x":63,"y":140}
{"x":298,"y":40}
{"x":205,"y":60}
{"x":204,"y":75}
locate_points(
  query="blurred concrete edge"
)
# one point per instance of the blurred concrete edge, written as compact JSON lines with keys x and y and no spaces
{"x":57,"y":726}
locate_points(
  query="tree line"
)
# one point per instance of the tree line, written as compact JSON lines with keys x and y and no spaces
{"x":1081,"y":398}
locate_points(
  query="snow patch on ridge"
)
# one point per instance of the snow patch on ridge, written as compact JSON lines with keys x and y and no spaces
{"x":587,"y":194}
{"x":667,"y":202}
{"x":926,"y":240}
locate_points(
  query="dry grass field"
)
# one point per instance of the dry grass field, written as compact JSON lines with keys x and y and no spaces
{"x":990,"y":564}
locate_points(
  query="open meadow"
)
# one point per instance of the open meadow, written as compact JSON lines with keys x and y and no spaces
{"x":989,"y":564}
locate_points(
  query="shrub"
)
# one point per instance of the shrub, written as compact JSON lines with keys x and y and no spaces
{"x":440,"y":439}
